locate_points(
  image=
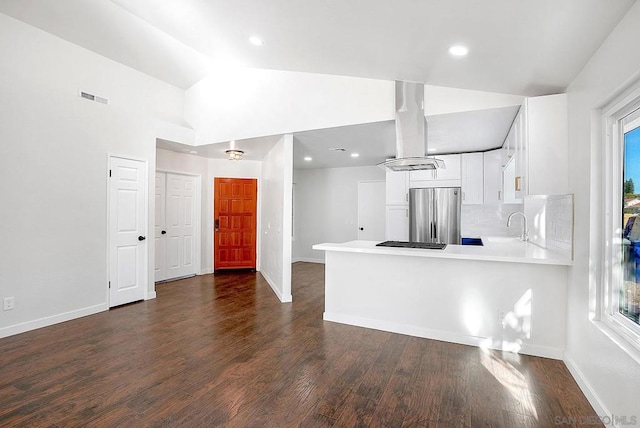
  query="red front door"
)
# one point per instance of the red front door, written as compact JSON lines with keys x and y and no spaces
{"x":234,"y":215}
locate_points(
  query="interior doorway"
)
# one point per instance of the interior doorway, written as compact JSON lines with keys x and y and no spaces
{"x":235,"y":223}
{"x":176,"y":228}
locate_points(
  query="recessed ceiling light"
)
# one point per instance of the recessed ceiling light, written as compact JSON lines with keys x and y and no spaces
{"x":308,"y":158}
{"x":458,"y":50}
{"x":431,"y":150}
{"x":255,"y":41}
{"x":355,"y":155}
{"x":193,"y":152}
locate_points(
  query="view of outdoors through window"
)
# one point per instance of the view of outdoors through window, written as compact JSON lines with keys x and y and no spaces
{"x":629,"y":301}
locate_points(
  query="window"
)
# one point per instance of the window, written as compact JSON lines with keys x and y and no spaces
{"x":629,"y":291}
{"x":620,"y":300}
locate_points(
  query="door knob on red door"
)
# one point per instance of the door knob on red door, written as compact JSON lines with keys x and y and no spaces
{"x":141,"y":238}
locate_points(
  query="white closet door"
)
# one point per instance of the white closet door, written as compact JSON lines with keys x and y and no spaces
{"x":127,"y":230}
{"x":160,"y":227}
{"x":180,"y":225}
{"x":371,"y":210}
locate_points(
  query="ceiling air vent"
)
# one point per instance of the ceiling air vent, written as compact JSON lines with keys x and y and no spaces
{"x":91,"y":97}
{"x":338,"y":149}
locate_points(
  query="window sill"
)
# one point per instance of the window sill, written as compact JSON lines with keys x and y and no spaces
{"x":624,"y":339}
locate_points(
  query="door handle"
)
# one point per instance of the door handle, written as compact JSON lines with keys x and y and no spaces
{"x":362,"y":228}
{"x":141,"y":238}
{"x":216,"y":224}
{"x":164,"y":232}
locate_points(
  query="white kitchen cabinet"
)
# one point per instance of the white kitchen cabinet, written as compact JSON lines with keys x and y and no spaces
{"x":451,"y":171}
{"x":547,"y":148}
{"x":538,"y":145}
{"x":397,"y":188}
{"x":397,"y":206}
{"x":509,"y":147}
{"x":441,"y":177}
{"x":472,"y":178}
{"x":509,"y":183}
{"x":397,"y":223}
{"x":520,"y":156}
{"x":492,"y":161}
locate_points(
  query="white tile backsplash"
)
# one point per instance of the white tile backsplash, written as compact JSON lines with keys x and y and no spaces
{"x":551,"y":221}
{"x":560,"y":223}
{"x":489,"y":220}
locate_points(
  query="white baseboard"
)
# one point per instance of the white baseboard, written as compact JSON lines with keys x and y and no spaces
{"x":307,"y":260}
{"x":283,"y":299}
{"x":205,"y":271}
{"x":445,"y":336}
{"x":586,"y":388}
{"x":51,"y":320}
{"x":151,"y":295}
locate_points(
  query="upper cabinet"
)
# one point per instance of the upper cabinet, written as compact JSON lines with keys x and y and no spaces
{"x":492,"y":162}
{"x":547,"y":150}
{"x":397,"y":188}
{"x":535,"y":152}
{"x":472,"y":178}
{"x":449,"y":176}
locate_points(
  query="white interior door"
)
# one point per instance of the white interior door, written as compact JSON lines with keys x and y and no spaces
{"x":160,"y":230}
{"x":180,"y":226}
{"x":371,"y":210}
{"x":127,"y":230}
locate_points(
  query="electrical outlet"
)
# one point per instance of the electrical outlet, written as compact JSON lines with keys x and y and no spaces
{"x":9,"y":303}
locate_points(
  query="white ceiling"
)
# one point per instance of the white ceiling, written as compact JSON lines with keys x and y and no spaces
{"x":254,"y":148}
{"x":516,"y":47}
{"x":374,"y":142}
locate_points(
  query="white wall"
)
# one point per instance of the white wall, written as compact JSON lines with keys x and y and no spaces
{"x":209,"y":169}
{"x":276,"y":209}
{"x":609,"y":376}
{"x":53,"y":170}
{"x":327,"y":207}
{"x":43,"y":61}
{"x":244,"y":103}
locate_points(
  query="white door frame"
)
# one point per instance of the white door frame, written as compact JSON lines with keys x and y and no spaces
{"x":147,"y":293}
{"x":198,"y":214}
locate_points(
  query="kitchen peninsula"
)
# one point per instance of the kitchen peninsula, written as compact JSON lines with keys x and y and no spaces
{"x":507,"y":294}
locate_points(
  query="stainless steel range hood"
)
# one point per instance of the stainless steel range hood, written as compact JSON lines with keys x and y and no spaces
{"x":411,"y":135}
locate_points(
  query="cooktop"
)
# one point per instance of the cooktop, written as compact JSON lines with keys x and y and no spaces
{"x":405,"y":244}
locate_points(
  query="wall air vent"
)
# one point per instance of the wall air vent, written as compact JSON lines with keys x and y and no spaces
{"x":337,"y":149}
{"x":91,"y":97}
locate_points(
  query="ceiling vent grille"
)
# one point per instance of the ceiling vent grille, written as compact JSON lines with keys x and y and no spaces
{"x":92,"y":97}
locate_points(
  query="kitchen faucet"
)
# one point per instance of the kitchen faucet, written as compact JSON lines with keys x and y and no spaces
{"x":525,"y":232}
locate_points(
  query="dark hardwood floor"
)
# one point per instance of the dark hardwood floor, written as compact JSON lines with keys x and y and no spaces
{"x":222,"y":351}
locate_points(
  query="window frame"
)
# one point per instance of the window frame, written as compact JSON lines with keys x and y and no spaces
{"x":614,"y":124}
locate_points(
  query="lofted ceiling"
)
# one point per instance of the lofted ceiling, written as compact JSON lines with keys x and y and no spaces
{"x":515,"y":47}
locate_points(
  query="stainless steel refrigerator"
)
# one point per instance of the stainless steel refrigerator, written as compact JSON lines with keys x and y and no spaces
{"x":434,"y":215}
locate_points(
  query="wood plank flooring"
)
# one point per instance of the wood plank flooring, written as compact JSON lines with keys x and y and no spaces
{"x":221,"y":350}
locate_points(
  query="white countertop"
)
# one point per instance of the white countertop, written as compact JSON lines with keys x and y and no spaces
{"x":495,"y":249}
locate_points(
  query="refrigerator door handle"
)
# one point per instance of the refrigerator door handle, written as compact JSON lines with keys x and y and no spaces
{"x":435,"y":217}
